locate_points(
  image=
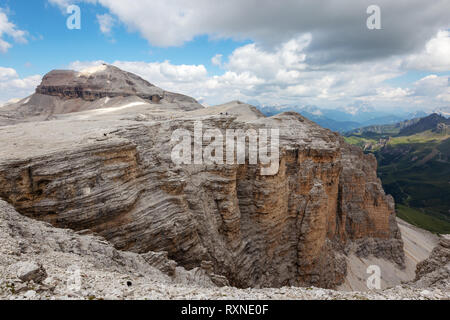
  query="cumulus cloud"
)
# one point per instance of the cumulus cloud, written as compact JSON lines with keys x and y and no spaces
{"x":9,"y":30}
{"x":435,"y":86}
{"x":285,"y":73}
{"x":289,"y":56}
{"x":338,"y":27}
{"x":272,"y":77}
{"x":393,"y":94}
{"x":342,"y":85}
{"x":217,"y":60}
{"x":435,"y":56}
{"x":163,"y":74}
{"x":7,"y":74}
{"x":301,"y":52}
{"x":12,"y":86}
{"x":106,"y":22}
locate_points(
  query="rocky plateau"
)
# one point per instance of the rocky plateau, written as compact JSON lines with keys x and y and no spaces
{"x":89,"y":156}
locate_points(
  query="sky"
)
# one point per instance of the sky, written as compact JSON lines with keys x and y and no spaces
{"x":265,"y":52}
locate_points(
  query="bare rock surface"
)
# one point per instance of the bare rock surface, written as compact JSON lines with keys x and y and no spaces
{"x":34,"y":256}
{"x":30,"y":271}
{"x":105,"y":86}
{"x":238,"y":109}
{"x":435,"y":270}
{"x":95,"y":83}
{"x":418,"y":245}
{"x":87,"y":267}
{"x":108,"y":168}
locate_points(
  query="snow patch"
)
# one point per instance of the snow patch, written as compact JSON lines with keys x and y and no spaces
{"x":92,"y":70}
{"x":129,"y":105}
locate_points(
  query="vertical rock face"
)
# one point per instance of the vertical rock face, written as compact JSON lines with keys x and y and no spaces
{"x":292,"y":228}
{"x":367,"y":213}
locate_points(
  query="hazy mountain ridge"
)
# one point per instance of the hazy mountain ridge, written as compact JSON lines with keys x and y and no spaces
{"x":346,"y":119}
{"x":384,"y":128}
{"x":434,"y":122}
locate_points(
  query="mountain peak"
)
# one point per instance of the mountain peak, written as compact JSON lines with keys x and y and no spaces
{"x":97,"y":82}
{"x":430,"y":122}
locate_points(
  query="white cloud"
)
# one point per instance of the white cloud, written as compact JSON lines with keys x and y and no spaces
{"x":393,"y":94}
{"x":334,"y":86}
{"x":10,"y":30}
{"x":432,"y":80}
{"x":281,"y":75}
{"x":12,"y":86}
{"x":435,"y":56}
{"x":4,"y":46}
{"x":106,"y":22}
{"x":7,"y":74}
{"x":338,"y":28}
{"x":275,"y":77}
{"x":289,"y":56}
{"x":301,"y":52}
{"x":444,"y":96}
{"x":433,"y":86}
{"x":217,"y":60}
{"x":163,"y":74}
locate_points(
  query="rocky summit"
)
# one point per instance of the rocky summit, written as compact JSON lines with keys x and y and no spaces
{"x":91,"y":151}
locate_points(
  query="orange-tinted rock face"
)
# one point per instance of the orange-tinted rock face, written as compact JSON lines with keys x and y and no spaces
{"x":292,"y":228}
{"x":288,"y":229}
{"x":368,"y":211}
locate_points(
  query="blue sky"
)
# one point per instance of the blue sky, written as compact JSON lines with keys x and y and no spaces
{"x":53,"y":45}
{"x":299,"y":53}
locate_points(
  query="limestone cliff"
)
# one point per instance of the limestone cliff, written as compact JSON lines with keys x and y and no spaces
{"x":111,"y":172}
{"x":40,"y":262}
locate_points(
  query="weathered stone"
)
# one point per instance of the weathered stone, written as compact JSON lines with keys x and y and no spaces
{"x":30,"y":271}
{"x":161,"y":261}
{"x":114,"y":175}
{"x":105,"y":272}
{"x":96,"y":83}
{"x":435,"y":270}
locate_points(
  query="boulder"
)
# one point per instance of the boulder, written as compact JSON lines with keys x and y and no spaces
{"x":30,"y":271}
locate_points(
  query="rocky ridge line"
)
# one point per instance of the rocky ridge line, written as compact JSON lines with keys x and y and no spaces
{"x":109,"y":169}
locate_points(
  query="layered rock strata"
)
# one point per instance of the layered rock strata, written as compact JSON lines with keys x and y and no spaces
{"x":114,"y":175}
{"x":38,"y":261}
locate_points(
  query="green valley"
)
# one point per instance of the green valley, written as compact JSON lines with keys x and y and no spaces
{"x":414,"y":166}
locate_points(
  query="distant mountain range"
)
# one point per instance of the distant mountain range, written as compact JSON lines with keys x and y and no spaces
{"x":414,"y":166}
{"x":345,"y":119}
{"x":434,"y":122}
